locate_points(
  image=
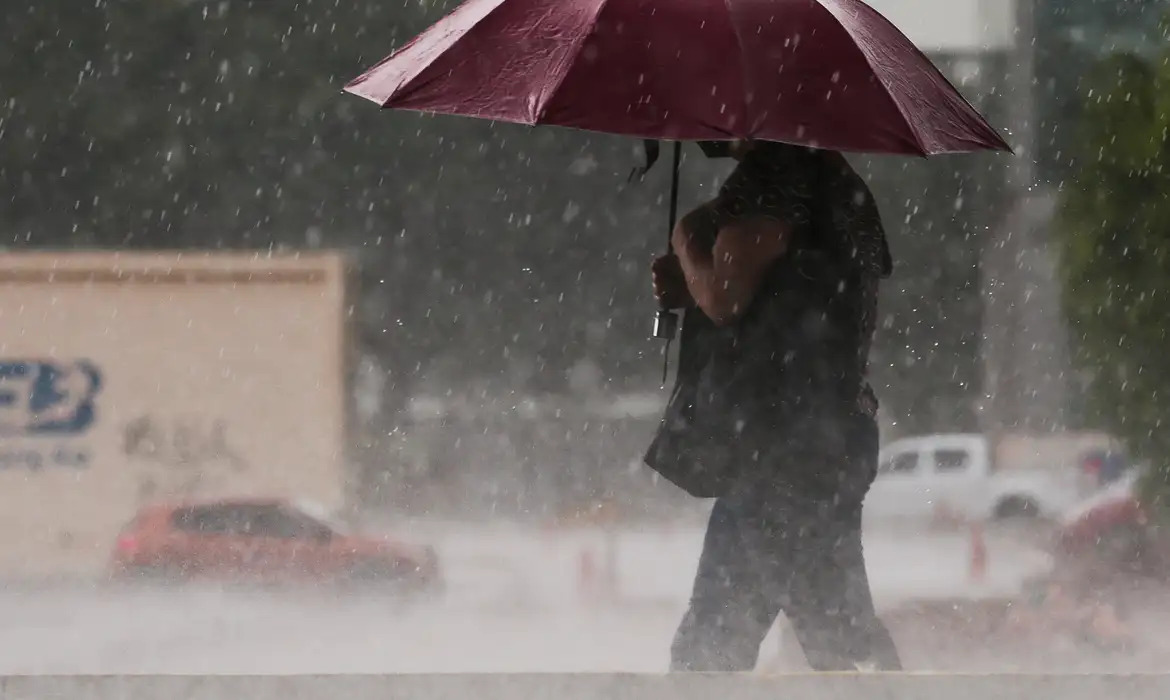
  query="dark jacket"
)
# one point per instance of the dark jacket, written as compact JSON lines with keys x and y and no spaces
{"x":800,"y":352}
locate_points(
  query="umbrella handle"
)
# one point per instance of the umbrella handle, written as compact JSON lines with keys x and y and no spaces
{"x":666,"y":322}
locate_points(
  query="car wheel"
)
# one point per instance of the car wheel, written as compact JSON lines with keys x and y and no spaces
{"x":1014,"y":507}
{"x":386,"y":578}
{"x":366,"y":573}
{"x":377,"y":575}
{"x":148,"y":575}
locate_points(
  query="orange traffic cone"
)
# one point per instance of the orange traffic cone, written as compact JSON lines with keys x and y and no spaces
{"x":977,"y":570}
{"x":588,"y":583}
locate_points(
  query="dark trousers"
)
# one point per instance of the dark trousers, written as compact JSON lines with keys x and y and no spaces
{"x":790,"y":541}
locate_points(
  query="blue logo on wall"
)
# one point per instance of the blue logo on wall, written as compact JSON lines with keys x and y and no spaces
{"x":46,"y":400}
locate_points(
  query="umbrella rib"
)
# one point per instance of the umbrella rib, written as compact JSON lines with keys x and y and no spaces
{"x":744,"y":69}
{"x":881,"y":78}
{"x":988,"y":129}
{"x":566,"y":64}
{"x":354,"y":87}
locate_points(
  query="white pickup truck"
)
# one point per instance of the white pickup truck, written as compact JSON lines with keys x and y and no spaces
{"x":971,"y":476}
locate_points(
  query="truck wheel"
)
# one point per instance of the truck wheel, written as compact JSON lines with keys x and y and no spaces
{"x":1016,"y":507}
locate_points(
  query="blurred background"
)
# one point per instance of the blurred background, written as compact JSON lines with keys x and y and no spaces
{"x":223,"y":279}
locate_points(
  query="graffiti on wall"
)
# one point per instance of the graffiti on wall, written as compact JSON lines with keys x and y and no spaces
{"x":47,"y":408}
{"x":184,"y":453}
{"x":180,"y":442}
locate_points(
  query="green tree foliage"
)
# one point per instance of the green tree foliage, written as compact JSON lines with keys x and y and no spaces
{"x":1115,"y":238}
{"x":1071,"y":36}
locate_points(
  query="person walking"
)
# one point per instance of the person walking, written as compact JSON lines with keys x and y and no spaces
{"x":779,"y":277}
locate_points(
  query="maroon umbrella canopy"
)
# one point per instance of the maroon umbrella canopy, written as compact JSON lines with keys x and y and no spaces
{"x":827,"y":73}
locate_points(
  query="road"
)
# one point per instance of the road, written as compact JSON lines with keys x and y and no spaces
{"x":515,"y":604}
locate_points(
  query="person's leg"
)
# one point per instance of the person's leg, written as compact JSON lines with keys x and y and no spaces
{"x":810,"y":527}
{"x":831,"y":607}
{"x":728,"y":616}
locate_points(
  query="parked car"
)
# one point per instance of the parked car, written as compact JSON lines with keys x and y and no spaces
{"x":1112,"y":527}
{"x":263,"y":540}
{"x":959,"y":474}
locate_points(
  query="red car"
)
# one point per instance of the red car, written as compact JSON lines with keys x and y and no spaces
{"x":262,"y":540}
{"x":1112,"y":526}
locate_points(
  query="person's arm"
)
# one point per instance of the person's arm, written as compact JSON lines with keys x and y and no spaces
{"x":724,"y":278}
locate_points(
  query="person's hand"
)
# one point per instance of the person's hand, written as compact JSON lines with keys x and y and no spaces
{"x":680,"y":240}
{"x":670,"y":285}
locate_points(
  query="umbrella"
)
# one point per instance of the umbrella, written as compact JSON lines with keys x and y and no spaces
{"x":831,"y":74}
{"x":827,"y":73}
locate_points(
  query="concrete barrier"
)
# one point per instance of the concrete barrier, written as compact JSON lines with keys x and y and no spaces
{"x":589,"y":687}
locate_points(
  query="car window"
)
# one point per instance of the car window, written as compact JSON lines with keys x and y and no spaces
{"x":318,"y":515}
{"x":317,"y":526}
{"x":951,"y":460}
{"x":250,"y":520}
{"x":276,"y":522}
{"x":900,"y":463}
{"x":207,"y":520}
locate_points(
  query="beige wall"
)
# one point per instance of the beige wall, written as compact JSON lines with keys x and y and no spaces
{"x":1056,"y":451}
{"x":220,"y":375}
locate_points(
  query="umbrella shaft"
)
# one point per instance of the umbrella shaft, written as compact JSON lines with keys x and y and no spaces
{"x":675,"y":168}
{"x":666,"y":322}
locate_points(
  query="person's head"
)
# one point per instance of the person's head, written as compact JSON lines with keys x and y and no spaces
{"x":739,"y":149}
{"x":736,"y":148}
